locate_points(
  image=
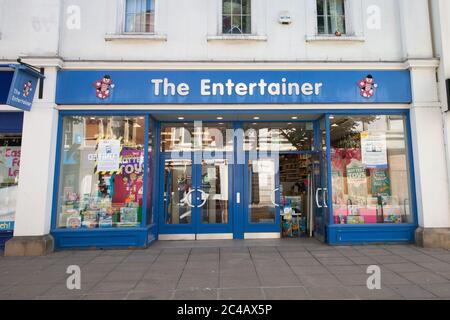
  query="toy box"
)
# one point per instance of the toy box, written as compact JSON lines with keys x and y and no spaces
{"x":74,"y":221}
{"x":90,"y":219}
{"x":355,"y":220}
{"x":128,"y":216}
{"x":340,"y":215}
{"x":369,"y":214}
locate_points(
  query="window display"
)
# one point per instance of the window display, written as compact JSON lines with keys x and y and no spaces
{"x":102,"y":172}
{"x":10,"y":147}
{"x":291,"y":136}
{"x":370,"y":172}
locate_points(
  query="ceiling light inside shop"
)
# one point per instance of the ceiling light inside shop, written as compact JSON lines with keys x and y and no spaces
{"x":180,"y":118}
{"x":219,"y":118}
{"x":255,"y":118}
{"x":294,"y":118}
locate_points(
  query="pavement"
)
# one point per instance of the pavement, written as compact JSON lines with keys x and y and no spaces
{"x":231,"y":269}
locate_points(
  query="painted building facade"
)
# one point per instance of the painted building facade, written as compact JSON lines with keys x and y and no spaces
{"x":211,"y":119}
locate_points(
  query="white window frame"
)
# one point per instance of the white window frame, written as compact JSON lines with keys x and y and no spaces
{"x":258,"y":20}
{"x":124,"y":19}
{"x":344,"y":32}
{"x":354,"y":15}
{"x":121,"y":34}
{"x":252,"y":24}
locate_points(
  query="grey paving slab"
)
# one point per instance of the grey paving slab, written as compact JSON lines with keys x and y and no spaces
{"x":424,"y":277}
{"x":156,"y":284}
{"x":241,"y":294}
{"x":286,"y":293}
{"x":319,"y":280}
{"x":113,"y":287}
{"x":154,"y":294}
{"x":341,"y":261}
{"x":404,"y":267}
{"x":309,"y":270}
{"x":385,"y":293}
{"x":412,"y":292}
{"x":363,"y":260}
{"x":106,"y":296}
{"x":196,"y":294}
{"x":235,"y":269}
{"x":441,"y":290}
{"x":330,"y":293}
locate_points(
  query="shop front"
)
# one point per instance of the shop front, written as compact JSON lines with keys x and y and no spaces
{"x":17,"y":84}
{"x":239,"y":154}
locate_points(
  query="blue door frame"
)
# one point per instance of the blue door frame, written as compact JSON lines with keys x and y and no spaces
{"x":196,"y":226}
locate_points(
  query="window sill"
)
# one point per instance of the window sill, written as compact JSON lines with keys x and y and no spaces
{"x":237,"y":37}
{"x":135,"y":36}
{"x":333,"y":38}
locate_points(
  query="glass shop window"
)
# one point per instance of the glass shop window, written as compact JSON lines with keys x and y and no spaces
{"x":370,"y":170}
{"x":199,"y":136}
{"x":140,"y":16}
{"x":290,"y":136}
{"x":236,"y":17}
{"x":331,"y":17}
{"x":10,"y":147}
{"x":101,"y":179}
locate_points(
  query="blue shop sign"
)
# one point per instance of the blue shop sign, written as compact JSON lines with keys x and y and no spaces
{"x":23,"y":87}
{"x":77,"y":87}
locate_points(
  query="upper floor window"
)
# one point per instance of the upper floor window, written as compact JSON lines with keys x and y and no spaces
{"x":236,"y":17}
{"x":140,"y":16}
{"x":331,"y":17}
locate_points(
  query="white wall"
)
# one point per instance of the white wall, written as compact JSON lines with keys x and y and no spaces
{"x":28,"y":28}
{"x":187,"y":25}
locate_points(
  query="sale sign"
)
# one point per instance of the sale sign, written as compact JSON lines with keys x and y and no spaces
{"x":9,"y":164}
{"x":9,"y":177}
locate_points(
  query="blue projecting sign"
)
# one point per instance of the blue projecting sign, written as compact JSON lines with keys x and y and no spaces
{"x":23,"y":87}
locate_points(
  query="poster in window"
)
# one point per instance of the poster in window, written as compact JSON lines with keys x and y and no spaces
{"x":374,"y":149}
{"x":9,"y":177}
{"x":356,"y":177}
{"x":108,"y":155}
{"x":381,"y":184}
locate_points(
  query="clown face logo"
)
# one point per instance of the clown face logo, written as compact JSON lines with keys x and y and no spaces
{"x":103,"y":87}
{"x":367,"y":87}
{"x":27,"y":88}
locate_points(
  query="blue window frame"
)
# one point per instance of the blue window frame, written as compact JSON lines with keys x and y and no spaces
{"x":146,"y":232}
{"x":138,"y":235}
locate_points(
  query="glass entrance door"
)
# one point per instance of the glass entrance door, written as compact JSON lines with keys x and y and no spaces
{"x":320,"y":185}
{"x":262,"y":195}
{"x":196,"y":197}
{"x":196,"y":184}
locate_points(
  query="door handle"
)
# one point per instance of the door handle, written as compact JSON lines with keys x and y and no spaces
{"x":317,"y":198}
{"x":205,"y":199}
{"x":272,"y":197}
{"x":325,"y":198}
{"x":187,"y":198}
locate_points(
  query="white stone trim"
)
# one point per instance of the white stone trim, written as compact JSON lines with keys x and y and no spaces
{"x":261,"y":235}
{"x":321,"y":108}
{"x":331,"y":38}
{"x":237,"y":37}
{"x":135,"y":36}
{"x":214,"y":236}
{"x":170,"y":237}
{"x":241,"y":65}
